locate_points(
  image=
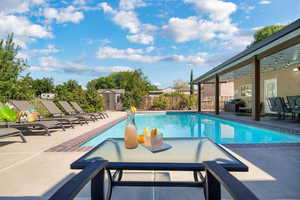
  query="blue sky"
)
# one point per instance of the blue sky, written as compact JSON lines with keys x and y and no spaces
{"x":86,"y":39}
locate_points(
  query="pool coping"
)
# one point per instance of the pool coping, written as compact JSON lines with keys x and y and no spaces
{"x":74,"y":145}
{"x":258,"y":124}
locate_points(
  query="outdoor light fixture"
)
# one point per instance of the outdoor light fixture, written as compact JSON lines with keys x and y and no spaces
{"x":296,"y":69}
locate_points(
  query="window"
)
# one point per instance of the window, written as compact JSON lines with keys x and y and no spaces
{"x":246,"y":90}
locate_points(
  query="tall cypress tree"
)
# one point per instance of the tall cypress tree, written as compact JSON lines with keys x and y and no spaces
{"x":191,"y":83}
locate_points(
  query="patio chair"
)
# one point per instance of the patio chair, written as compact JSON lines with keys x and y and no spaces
{"x":7,"y":132}
{"x":70,"y":111}
{"x":294,"y":104}
{"x":58,"y":114}
{"x":216,"y":176}
{"x":76,"y":106}
{"x":36,"y":125}
{"x":278,"y":105}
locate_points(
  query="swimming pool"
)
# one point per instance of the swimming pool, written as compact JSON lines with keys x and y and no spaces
{"x":197,"y":125}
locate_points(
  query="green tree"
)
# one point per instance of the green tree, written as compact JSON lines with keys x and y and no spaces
{"x":88,"y":99}
{"x":191,"y":83}
{"x":43,"y":85}
{"x":10,"y":69}
{"x":135,"y":83}
{"x":265,"y":32}
{"x":69,"y":91}
{"x":93,"y":101}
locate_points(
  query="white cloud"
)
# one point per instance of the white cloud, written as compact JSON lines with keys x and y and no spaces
{"x":50,"y":63}
{"x":112,"y":69}
{"x":241,"y":39}
{"x":47,"y":64}
{"x":106,"y":8}
{"x":75,"y":67}
{"x":50,"y":49}
{"x":265,"y":2}
{"x":22,"y":55}
{"x":217,"y":26}
{"x":79,"y":2}
{"x":139,"y":55}
{"x":157,"y":84}
{"x":27,"y":54}
{"x":127,"y":19}
{"x":246,"y":7}
{"x":129,"y":54}
{"x":68,"y":14}
{"x":131,"y":4}
{"x":17,"y":6}
{"x":141,"y":38}
{"x":192,"y":28}
{"x":23,"y":29}
{"x":217,"y":10}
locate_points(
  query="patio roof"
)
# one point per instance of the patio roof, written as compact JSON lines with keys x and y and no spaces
{"x":282,"y":39}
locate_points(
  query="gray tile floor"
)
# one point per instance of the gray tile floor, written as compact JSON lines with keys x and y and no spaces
{"x":270,"y":122}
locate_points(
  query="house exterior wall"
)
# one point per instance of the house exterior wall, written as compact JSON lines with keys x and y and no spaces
{"x":288,"y":84}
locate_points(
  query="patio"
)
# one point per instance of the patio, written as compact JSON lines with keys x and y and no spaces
{"x":28,"y":172}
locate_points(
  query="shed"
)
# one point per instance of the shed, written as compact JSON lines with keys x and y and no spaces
{"x":112,"y":98}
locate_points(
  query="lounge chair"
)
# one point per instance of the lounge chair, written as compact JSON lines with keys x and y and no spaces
{"x":76,"y":106}
{"x":294,"y":104}
{"x":7,"y":132}
{"x":70,"y":111}
{"x":278,"y":105}
{"x":58,"y":114}
{"x":36,"y":125}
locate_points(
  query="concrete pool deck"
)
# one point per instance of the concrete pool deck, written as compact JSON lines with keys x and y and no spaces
{"x":27,"y":171}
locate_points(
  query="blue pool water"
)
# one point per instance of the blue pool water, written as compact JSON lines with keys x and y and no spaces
{"x":196,"y":125}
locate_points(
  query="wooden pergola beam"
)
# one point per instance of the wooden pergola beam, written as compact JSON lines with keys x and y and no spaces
{"x":256,"y":89}
{"x":199,"y":97}
{"x":217,"y":94}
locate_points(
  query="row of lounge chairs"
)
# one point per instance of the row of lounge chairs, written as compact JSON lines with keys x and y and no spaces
{"x":57,"y":120}
{"x":282,"y":107}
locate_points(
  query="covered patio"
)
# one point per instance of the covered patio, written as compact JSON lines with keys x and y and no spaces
{"x":266,"y":71}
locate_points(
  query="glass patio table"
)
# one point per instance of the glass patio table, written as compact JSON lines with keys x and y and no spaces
{"x":186,"y":154}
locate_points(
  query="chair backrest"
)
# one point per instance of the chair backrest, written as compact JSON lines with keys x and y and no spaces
{"x":283,"y":105}
{"x":52,"y":108}
{"x":273,"y":104}
{"x":77,"y":107}
{"x":22,"y":105}
{"x":216,"y":176}
{"x":293,"y":101}
{"x":67,"y":107}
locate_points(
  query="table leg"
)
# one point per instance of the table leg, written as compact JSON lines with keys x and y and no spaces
{"x":97,"y":186}
{"x":109,"y":187}
{"x":195,"y":176}
{"x":118,"y":175}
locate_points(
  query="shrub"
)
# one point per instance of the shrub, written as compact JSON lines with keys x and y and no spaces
{"x":160,"y":102}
